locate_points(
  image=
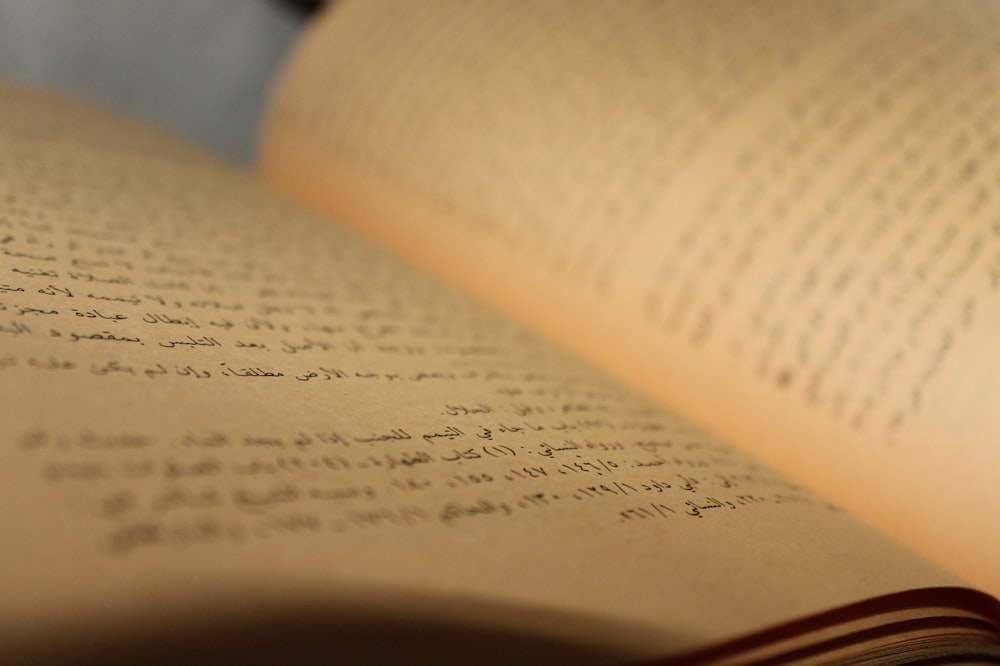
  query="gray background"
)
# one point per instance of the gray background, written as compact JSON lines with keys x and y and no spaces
{"x":201,"y":68}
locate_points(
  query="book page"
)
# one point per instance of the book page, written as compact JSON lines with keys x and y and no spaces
{"x":780,"y":219}
{"x":215,"y":402}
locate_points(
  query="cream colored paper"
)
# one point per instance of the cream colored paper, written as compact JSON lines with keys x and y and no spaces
{"x":215,"y":402}
{"x":779,"y":218}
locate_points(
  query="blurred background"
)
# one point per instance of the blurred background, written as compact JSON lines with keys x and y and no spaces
{"x":197,"y":68}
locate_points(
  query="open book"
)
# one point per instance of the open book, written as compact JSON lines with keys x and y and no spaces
{"x":726,"y":389}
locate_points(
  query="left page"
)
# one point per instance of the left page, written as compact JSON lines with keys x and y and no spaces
{"x":218,"y":408}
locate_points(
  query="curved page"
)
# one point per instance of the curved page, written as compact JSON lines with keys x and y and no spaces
{"x":779,"y":219}
{"x":214,"y":402}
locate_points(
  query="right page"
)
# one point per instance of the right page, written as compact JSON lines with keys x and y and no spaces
{"x":779,"y":218}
